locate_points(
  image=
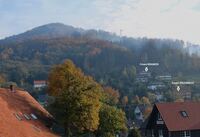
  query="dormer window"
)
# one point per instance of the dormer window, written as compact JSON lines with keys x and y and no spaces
{"x":183,"y":113}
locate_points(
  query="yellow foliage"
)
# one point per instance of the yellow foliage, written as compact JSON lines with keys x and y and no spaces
{"x":78,"y":95}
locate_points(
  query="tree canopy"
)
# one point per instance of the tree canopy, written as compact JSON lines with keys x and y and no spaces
{"x":80,"y":103}
{"x":77,"y":95}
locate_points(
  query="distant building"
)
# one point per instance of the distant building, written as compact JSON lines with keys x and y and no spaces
{"x":186,"y":95}
{"x":184,"y":92}
{"x":38,"y":84}
{"x":179,"y":119}
{"x":138,"y":112}
{"x":156,"y":86}
{"x":143,"y":77}
{"x":164,"y":77}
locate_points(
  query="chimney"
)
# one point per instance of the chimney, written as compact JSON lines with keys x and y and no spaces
{"x":11,"y":88}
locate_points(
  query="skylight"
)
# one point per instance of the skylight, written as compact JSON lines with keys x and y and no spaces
{"x":184,"y":114}
{"x":27,"y":116}
{"x":33,"y":116}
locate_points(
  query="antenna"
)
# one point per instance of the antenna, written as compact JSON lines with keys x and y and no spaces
{"x":120,"y":34}
{"x":120,"y":31}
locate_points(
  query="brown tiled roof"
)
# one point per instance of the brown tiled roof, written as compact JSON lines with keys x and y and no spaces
{"x":171,"y":114}
{"x":20,"y":103}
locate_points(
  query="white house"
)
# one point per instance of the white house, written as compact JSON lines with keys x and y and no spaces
{"x":38,"y":84}
{"x":138,"y":113}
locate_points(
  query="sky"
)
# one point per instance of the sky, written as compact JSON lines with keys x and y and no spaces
{"x":176,"y":19}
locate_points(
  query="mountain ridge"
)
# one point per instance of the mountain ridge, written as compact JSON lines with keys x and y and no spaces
{"x":58,"y":30}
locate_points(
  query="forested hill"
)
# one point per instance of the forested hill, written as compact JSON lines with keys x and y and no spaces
{"x":110,"y":59}
{"x":57,"y":30}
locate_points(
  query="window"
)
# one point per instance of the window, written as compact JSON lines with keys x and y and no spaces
{"x":160,"y":133}
{"x":184,"y":114}
{"x":159,"y":116}
{"x":152,"y":133}
{"x":185,"y":134}
{"x":159,"y":119}
{"x":27,"y":116}
{"x":33,"y":116}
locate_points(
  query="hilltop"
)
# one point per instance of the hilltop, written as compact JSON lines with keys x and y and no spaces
{"x":58,"y":30}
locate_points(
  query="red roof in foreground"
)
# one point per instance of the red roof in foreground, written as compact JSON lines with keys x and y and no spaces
{"x":21,"y":102}
{"x":173,"y":119}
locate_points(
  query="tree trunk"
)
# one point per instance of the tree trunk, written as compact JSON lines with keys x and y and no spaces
{"x":67,"y":131}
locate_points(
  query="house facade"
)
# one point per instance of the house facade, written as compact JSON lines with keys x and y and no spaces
{"x":179,"y":119}
{"x":38,"y":84}
{"x":138,"y":112}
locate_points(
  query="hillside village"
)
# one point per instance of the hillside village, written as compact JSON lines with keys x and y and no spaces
{"x":99,"y":68}
{"x":121,"y":70}
{"x":137,"y":114}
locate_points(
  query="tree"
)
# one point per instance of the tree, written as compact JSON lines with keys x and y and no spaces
{"x":147,"y":112}
{"x":77,"y":98}
{"x":111,"y":95}
{"x":136,"y":100}
{"x":152,"y":97}
{"x":112,"y":121}
{"x":124,"y":100}
{"x":2,"y":79}
{"x":134,"y":133}
{"x":129,"y":73}
{"x":145,"y":101}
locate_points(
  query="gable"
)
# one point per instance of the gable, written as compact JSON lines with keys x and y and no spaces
{"x":137,"y":110}
{"x":155,"y":119}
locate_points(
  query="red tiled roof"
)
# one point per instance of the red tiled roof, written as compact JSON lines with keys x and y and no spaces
{"x":21,"y":102}
{"x":173,"y":119}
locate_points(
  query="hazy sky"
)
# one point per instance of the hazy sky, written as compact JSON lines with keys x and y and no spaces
{"x":178,"y":19}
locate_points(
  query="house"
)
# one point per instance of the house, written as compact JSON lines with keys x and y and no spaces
{"x":143,"y":77}
{"x":138,"y":112}
{"x":179,"y":119}
{"x":186,"y":95}
{"x":164,"y":77}
{"x":22,"y":116}
{"x":39,"y":84}
{"x":136,"y":116}
{"x":156,"y":85}
{"x":184,"y":92}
